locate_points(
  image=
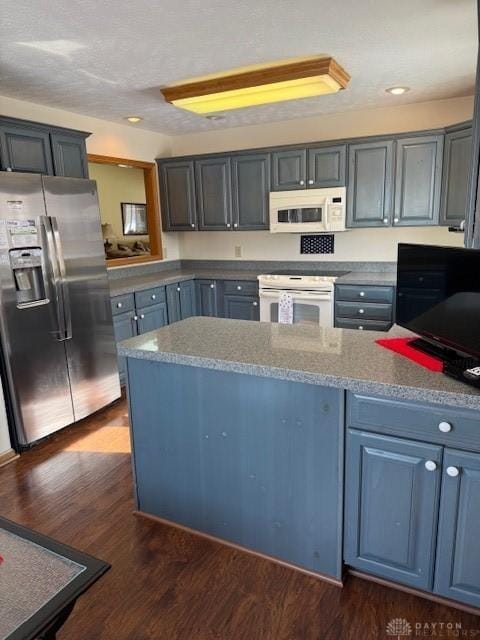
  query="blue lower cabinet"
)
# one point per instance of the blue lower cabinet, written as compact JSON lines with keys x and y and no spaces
{"x":391,"y":506}
{"x":124,"y":327}
{"x":181,"y":300}
{"x":152,"y":317}
{"x":239,"y":307}
{"x":457,"y":573}
{"x":207,"y":298}
{"x":255,"y":461}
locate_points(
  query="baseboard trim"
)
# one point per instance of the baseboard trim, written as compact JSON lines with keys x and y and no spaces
{"x":233,"y":545}
{"x":416,"y":592}
{"x":8,"y":456}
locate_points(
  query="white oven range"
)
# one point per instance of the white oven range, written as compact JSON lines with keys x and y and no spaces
{"x":311,"y":296}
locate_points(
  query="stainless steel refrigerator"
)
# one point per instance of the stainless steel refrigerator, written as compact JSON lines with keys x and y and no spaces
{"x":58,"y":348}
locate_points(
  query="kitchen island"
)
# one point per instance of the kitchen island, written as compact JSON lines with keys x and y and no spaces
{"x":253,"y":433}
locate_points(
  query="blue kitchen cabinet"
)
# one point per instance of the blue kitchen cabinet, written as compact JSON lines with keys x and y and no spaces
{"x":289,"y":169}
{"x":241,"y":307}
{"x":418,"y":180}
{"x":213,"y":183}
{"x":69,"y":155}
{"x":391,"y":505}
{"x":124,"y":327}
{"x":177,"y":194}
{"x":152,"y":317}
{"x":457,"y":573}
{"x":327,"y":166}
{"x":370,"y":184}
{"x":457,"y":157}
{"x":181,"y":300}
{"x":26,"y":148}
{"x":207,"y":298}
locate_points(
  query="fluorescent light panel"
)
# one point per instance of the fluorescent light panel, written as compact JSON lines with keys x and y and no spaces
{"x":305,"y":79}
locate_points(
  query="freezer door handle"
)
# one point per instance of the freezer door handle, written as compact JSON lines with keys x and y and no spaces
{"x":56,"y":276}
{"x":67,"y":312}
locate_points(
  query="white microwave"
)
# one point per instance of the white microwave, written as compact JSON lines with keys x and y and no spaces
{"x":308,"y":210}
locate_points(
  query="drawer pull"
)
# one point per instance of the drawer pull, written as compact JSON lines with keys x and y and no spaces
{"x":255,"y":304}
{"x":192,"y":225}
{"x":445,"y":427}
{"x":361,"y":311}
{"x":212,"y":286}
{"x":178,"y":289}
{"x":154,"y":297}
{"x":362,"y":294}
{"x":430,"y":465}
{"x":119,"y":305}
{"x":142,"y":316}
{"x":360,"y":326}
{"x":239,"y":287}
{"x":453,"y":472}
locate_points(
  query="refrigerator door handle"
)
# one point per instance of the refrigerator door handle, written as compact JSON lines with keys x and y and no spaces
{"x":58,"y":292}
{"x":67,"y":312}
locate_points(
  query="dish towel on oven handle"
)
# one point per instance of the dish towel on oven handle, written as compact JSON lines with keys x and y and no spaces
{"x":285,"y":308}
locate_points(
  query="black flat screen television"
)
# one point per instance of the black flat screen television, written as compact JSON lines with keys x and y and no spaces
{"x":438,"y":296}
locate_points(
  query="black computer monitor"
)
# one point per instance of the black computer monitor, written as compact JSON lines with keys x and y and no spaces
{"x":438,"y":297}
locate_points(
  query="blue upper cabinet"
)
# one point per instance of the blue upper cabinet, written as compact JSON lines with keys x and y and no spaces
{"x":69,"y":155}
{"x":289,"y":169}
{"x":214,"y":193}
{"x":251,"y":189}
{"x":418,"y":180}
{"x":177,"y":191}
{"x":456,"y":173}
{"x":327,"y":167}
{"x":26,"y":149}
{"x":370,"y":184}
{"x":457,"y":573}
{"x":391,"y":507}
{"x":33,"y":147}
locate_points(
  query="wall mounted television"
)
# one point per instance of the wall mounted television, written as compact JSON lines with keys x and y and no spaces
{"x":438,"y":298}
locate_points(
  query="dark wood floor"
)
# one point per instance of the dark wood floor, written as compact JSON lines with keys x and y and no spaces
{"x":165,"y":583}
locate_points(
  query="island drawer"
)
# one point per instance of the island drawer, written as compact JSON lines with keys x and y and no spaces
{"x":149,"y":297}
{"x":121,"y":304}
{"x":360,"y":310}
{"x":433,"y":423}
{"x":370,"y":293}
{"x":362,"y":325}
{"x":241,"y":287}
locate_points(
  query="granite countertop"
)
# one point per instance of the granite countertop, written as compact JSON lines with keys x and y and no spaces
{"x":341,"y":358}
{"x":142,"y":282}
{"x":387,"y":278}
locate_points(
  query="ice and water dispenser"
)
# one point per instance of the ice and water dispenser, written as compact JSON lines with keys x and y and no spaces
{"x":27,"y":271}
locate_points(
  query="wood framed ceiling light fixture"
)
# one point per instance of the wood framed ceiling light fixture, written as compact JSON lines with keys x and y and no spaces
{"x":262,"y":85}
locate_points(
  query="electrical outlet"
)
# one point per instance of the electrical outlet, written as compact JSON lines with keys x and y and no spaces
{"x":238,"y":251}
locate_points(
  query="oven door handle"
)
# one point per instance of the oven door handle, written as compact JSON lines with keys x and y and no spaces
{"x":297,"y":295}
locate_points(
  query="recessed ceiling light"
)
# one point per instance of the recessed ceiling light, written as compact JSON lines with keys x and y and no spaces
{"x":134,"y":119}
{"x":397,"y":91}
{"x":215,"y":117}
{"x":263,"y":85}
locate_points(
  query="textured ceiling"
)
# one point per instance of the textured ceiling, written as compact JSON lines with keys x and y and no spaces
{"x":108,"y":58}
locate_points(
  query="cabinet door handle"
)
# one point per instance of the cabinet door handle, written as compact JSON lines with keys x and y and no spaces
{"x":453,"y":472}
{"x":430,"y":465}
{"x":154,"y":297}
{"x":212,"y":286}
{"x":178,"y":289}
{"x":445,"y":427}
{"x":360,"y":326}
{"x":239,"y":288}
{"x":301,"y":182}
{"x":385,"y":221}
{"x":142,"y":316}
{"x":396,"y":220}
{"x":228,"y":225}
{"x":119,"y":305}
{"x":361,"y":311}
{"x":135,"y":318}
{"x":255,"y":304}
{"x":192,"y":225}
{"x":362,"y":294}
{"x":235,"y":225}
{"x":310,"y":182}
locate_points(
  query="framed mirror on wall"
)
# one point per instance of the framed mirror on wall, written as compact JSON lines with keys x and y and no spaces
{"x":134,"y":219}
